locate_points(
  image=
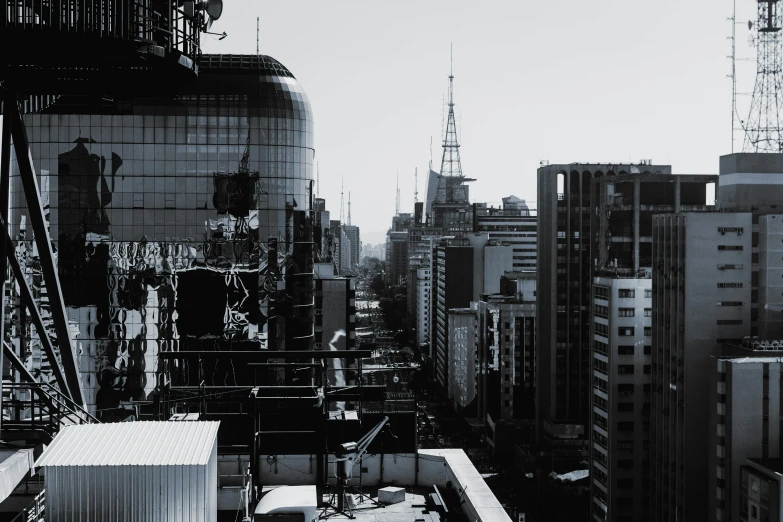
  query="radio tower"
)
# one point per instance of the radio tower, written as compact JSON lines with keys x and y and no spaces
{"x":763,"y":130}
{"x":450,"y":164}
{"x":342,"y":203}
{"x":416,"y":186}
{"x":349,"y":208}
{"x":397,"y":205}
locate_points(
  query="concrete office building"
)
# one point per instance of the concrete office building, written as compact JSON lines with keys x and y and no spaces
{"x":462,"y":357}
{"x":352,"y":232}
{"x":513,"y":224}
{"x":396,"y":257}
{"x":620,"y":432}
{"x":423,"y":304}
{"x":745,"y":415}
{"x":754,"y":183}
{"x":335,"y":323}
{"x":452,"y":288}
{"x":573,"y":215}
{"x":701,"y":295}
{"x":761,"y":492}
{"x":770,"y":278}
{"x":421,"y":241}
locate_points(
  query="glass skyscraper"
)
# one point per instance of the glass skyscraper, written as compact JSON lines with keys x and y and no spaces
{"x":180,"y":223}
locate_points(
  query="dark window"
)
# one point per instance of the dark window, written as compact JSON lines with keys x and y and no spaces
{"x":648,"y":330}
{"x":625,"y":483}
{"x":625,"y":426}
{"x":625,"y":349}
{"x":625,"y":312}
{"x":647,"y":349}
{"x":626,"y":292}
{"x":625,"y":463}
{"x":729,"y":247}
{"x":625,"y":331}
{"x":626,"y":369}
{"x":625,"y":406}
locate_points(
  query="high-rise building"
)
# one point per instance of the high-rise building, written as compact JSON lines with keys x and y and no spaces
{"x":352,"y":231}
{"x":589,"y":217}
{"x":761,"y":496}
{"x":622,"y":367}
{"x":461,"y":388}
{"x":701,"y":298}
{"x":396,"y":257}
{"x":513,"y":224}
{"x":423,"y":314}
{"x":157,"y":202}
{"x":505,"y":338}
{"x":335,"y":322}
{"x":770,"y":278}
{"x":452,"y":288}
{"x":744,"y":422}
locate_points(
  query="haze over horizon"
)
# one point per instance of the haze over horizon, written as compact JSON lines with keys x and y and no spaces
{"x":602,"y":81}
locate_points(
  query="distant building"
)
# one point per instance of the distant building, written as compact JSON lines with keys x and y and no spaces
{"x":701,"y":299}
{"x":423,"y":296}
{"x":452,"y":288}
{"x":335,"y":321}
{"x":396,"y":257}
{"x":513,"y":224}
{"x":462,"y":357}
{"x":505,"y":338}
{"x":620,"y":432}
{"x":352,"y":231}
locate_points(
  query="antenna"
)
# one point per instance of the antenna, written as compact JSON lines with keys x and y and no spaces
{"x":397,"y":209}
{"x":258,"y":36}
{"x":342,"y":204}
{"x":430,"y":151}
{"x":416,"y":186}
{"x":733,"y":75}
{"x":349,"y":208}
{"x":764,"y":128}
{"x":451,"y":164}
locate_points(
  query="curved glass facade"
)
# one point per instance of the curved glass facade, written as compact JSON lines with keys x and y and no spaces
{"x":181,"y":223}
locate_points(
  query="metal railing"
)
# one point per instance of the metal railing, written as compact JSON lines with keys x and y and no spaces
{"x":35,"y":512}
{"x":40,"y":407}
{"x":136,"y":20}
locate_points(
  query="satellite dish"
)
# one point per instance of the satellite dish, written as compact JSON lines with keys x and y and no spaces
{"x":214,"y":8}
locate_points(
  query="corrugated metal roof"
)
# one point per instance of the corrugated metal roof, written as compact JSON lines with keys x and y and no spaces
{"x":164,"y":443}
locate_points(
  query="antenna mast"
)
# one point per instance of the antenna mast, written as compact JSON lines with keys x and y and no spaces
{"x":349,"y":208}
{"x":451,"y":165}
{"x":733,"y":75}
{"x":258,"y":37}
{"x":416,"y":186}
{"x":342,"y":204}
{"x":764,"y":129}
{"x":397,"y":205}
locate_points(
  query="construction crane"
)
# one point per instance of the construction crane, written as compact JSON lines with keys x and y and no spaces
{"x":346,"y":456}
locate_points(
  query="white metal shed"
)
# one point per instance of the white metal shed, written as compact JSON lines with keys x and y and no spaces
{"x":132,"y":472}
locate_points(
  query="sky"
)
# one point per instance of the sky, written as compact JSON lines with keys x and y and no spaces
{"x":564,"y":81}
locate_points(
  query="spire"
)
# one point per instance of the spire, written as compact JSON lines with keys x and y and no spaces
{"x":397,"y":204}
{"x":349,"y":208}
{"x":342,"y":203}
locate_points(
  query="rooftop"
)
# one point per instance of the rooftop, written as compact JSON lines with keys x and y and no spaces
{"x":775,"y":465}
{"x":144,"y":443}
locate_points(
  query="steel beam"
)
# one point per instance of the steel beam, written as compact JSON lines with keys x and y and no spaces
{"x":266,"y":354}
{"x":27,"y":376}
{"x":5,"y":173}
{"x":35,"y":315}
{"x":43,"y":241}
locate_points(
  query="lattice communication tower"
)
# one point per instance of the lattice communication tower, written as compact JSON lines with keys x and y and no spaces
{"x":763,"y":128}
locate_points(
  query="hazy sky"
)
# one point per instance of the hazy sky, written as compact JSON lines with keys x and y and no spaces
{"x":564,"y":81}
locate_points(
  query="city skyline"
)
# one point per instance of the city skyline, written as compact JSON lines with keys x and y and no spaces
{"x":528,"y":87}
